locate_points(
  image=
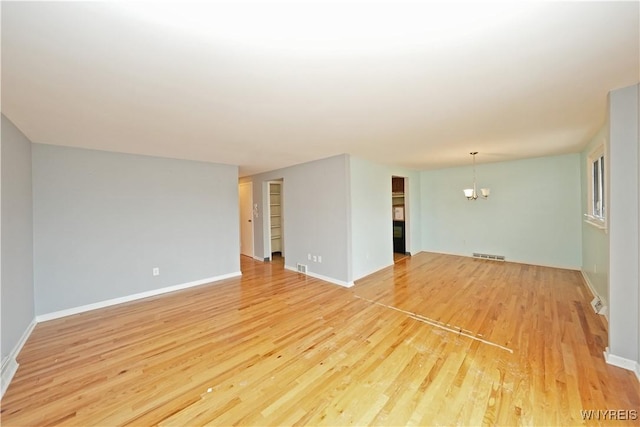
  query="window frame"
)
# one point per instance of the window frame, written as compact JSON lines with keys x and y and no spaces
{"x":597,"y":192}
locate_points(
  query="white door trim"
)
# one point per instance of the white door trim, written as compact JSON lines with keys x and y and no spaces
{"x":243,"y":206}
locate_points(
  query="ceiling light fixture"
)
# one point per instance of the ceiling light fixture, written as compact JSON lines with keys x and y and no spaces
{"x":470,"y":193}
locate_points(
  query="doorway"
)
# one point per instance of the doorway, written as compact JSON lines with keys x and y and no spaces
{"x":245,"y":193}
{"x":275,"y":219}
{"x":399,"y":215}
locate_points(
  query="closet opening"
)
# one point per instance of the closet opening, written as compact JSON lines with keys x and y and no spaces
{"x":275,"y":221}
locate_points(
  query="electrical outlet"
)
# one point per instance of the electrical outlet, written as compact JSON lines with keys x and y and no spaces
{"x":315,"y":258}
{"x":320,"y":258}
{"x":309,"y":257}
{"x":156,"y":271}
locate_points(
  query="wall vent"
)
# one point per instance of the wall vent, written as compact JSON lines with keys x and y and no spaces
{"x":488,"y":256}
{"x":302,"y":268}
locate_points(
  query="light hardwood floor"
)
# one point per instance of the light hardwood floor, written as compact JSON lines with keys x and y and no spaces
{"x":433,"y":340}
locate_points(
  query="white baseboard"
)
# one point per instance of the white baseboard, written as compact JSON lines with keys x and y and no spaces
{"x":537,"y":264}
{"x":512,"y":260}
{"x":372,"y":272}
{"x":321,"y":277}
{"x":621,"y":362}
{"x":9,"y":369}
{"x":128,"y":298}
{"x":605,"y":309}
{"x":10,"y":364}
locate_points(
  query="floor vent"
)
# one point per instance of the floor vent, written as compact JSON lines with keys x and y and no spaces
{"x":597,"y":305}
{"x":488,"y":256}
{"x":302,"y":268}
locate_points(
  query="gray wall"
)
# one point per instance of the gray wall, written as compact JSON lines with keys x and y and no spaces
{"x":315,"y":207}
{"x":595,"y":241}
{"x":624,"y":282}
{"x":533,"y":214}
{"x":371,"y":215}
{"x":103,"y":221}
{"x":338,"y":208}
{"x":17,"y":237}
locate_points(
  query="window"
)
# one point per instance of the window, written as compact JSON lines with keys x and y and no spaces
{"x":597,"y":194}
{"x":597,"y":206}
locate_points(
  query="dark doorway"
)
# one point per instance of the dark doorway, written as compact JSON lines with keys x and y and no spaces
{"x":398,"y":205}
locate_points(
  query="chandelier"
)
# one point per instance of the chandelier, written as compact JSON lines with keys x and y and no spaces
{"x":471,"y":193}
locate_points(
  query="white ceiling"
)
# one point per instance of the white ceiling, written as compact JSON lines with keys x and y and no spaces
{"x":268,"y":85}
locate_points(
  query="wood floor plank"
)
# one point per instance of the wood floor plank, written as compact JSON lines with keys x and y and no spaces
{"x":433,"y":340}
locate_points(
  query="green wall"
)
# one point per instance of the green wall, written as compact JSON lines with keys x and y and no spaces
{"x":595,"y":243}
{"x":532,"y":216}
